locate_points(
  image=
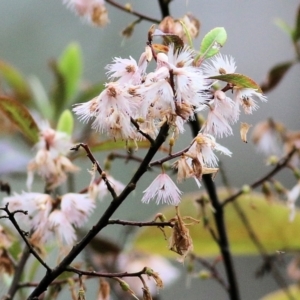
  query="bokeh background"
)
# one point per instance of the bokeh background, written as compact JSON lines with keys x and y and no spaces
{"x":32,"y":32}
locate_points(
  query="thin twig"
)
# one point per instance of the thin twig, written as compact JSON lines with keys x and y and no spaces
{"x":141,"y":224}
{"x":106,"y":275}
{"x":17,"y":275}
{"x":213,"y":270}
{"x":132,"y":12}
{"x":146,"y":135}
{"x":103,"y":220}
{"x":279,"y":166}
{"x":11,"y":217}
{"x":260,"y":247}
{"x":99,"y":169}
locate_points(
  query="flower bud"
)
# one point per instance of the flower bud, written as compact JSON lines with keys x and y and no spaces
{"x":204,"y":274}
{"x":279,"y":188}
{"x":246,"y":189}
{"x":297,"y":173}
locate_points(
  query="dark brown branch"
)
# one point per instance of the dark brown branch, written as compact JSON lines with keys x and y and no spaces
{"x":233,"y":290}
{"x":164,"y":7}
{"x":104,"y":219}
{"x":145,"y":135}
{"x":106,"y":275}
{"x":99,"y":169}
{"x":280,"y":280}
{"x":213,"y":270}
{"x":169,"y":157}
{"x":141,"y":224}
{"x":17,"y":275}
{"x":132,"y":12}
{"x":279,"y":166}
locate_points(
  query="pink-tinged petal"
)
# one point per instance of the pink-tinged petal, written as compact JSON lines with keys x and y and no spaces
{"x":163,"y":189}
{"x":61,"y":226}
{"x":77,"y":208}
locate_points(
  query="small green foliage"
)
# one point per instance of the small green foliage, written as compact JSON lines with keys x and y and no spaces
{"x":187,"y":33}
{"x":296,"y":32}
{"x":239,"y":80}
{"x":212,"y":42}
{"x":14,"y":79}
{"x":284,"y":27}
{"x":67,"y":72}
{"x":66,"y":122}
{"x":20,"y":117}
{"x":70,"y":66}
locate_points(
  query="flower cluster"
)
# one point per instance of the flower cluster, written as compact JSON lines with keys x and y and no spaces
{"x":51,"y":161}
{"x":47,"y":216}
{"x":173,"y":92}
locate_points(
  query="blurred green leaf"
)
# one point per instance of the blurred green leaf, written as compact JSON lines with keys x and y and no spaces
{"x":67,"y":71}
{"x":212,"y":42}
{"x":15,"y":81}
{"x":187,"y":33}
{"x":297,"y":26}
{"x":40,"y":98}
{"x":285,"y":27}
{"x":239,"y":80}
{"x":294,"y":291}
{"x":89,"y":92}
{"x":15,"y":249}
{"x":270,"y":222}
{"x":20,"y":117}
{"x":65,"y":122}
{"x":275,"y":75}
{"x":70,"y":65}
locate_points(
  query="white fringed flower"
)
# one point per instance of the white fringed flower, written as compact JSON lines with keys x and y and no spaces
{"x":112,"y":111}
{"x":125,"y":69}
{"x":219,"y":65}
{"x":163,"y":189}
{"x":47,"y":216}
{"x":93,"y":11}
{"x":51,"y":161}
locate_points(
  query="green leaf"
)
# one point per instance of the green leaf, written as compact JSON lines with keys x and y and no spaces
{"x":70,"y":66}
{"x":239,"y":80}
{"x":297,"y":26}
{"x":67,"y":71}
{"x":294,"y":291}
{"x":40,"y":98}
{"x":212,"y":42}
{"x":285,"y":27}
{"x":270,"y":222}
{"x":20,"y":117}
{"x":15,"y":81}
{"x":187,"y":33}
{"x":65,"y":122}
{"x":275,"y":75}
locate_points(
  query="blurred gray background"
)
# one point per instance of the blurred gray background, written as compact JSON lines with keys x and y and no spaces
{"x":32,"y":32}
